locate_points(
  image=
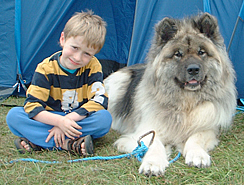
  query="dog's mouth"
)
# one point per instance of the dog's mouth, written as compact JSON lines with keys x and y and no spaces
{"x":191,"y":85}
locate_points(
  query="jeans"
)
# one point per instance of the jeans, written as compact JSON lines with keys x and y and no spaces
{"x":97,"y":125}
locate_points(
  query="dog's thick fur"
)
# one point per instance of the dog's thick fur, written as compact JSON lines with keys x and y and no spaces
{"x":185,"y":93}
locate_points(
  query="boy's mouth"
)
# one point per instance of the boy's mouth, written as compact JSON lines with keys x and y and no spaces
{"x":73,"y":62}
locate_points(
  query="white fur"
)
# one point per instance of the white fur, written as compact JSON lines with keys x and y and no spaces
{"x":194,"y":133}
{"x":188,"y":119}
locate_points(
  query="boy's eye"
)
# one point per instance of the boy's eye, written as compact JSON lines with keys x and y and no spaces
{"x":88,"y":54}
{"x":74,"y":47}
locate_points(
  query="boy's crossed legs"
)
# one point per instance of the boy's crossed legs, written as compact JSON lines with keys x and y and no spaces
{"x":33,"y":133}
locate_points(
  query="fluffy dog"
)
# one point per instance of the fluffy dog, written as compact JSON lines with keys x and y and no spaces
{"x":185,"y":93}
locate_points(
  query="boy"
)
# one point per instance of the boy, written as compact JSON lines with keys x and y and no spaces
{"x":66,"y":102}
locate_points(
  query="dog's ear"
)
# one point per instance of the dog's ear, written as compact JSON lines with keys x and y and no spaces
{"x":208,"y":25}
{"x":165,"y":30}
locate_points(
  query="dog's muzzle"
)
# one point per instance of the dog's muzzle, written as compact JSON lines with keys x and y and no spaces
{"x":191,"y":76}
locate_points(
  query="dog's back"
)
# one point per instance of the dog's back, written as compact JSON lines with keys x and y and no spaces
{"x":121,"y":87}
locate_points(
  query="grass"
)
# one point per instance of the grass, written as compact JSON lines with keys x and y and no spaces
{"x":227,"y":162}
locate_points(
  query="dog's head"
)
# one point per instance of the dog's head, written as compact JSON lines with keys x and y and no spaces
{"x":189,"y":53}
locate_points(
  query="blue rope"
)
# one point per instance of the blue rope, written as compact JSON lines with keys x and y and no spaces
{"x":139,"y":153}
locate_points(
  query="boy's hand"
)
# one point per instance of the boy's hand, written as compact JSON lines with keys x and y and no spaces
{"x":69,"y":127}
{"x":58,"y":134}
{"x":66,"y":123}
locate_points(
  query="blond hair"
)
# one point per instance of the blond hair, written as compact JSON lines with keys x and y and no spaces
{"x":90,"y":26}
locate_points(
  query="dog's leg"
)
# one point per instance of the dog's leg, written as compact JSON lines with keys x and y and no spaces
{"x":126,"y":143}
{"x":155,"y":160}
{"x":197,"y":146}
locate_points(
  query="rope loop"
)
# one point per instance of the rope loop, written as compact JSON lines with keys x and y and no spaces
{"x":150,"y":132}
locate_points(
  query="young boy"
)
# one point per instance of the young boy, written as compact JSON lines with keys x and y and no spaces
{"x":66,"y":102}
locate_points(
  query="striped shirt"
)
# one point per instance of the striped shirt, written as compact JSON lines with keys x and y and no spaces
{"x":54,"y":89}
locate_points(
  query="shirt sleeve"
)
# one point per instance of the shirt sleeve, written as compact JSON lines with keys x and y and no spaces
{"x":37,"y":93}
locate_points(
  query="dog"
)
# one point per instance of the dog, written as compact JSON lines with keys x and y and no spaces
{"x":185,"y":93}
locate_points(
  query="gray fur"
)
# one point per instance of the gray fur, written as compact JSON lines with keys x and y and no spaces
{"x":186,"y":94}
{"x":125,"y":105}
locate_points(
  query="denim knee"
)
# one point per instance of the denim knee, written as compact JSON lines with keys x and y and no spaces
{"x":106,"y":119}
{"x":13,"y":115}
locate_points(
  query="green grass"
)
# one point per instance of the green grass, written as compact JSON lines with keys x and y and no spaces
{"x":227,"y":162}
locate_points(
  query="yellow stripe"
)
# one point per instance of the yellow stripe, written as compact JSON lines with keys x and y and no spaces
{"x":47,"y":67}
{"x":92,"y":106}
{"x":41,"y":93}
{"x":30,"y":106}
{"x":95,"y":65}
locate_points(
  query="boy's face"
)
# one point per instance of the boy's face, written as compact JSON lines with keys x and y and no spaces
{"x":75,"y":52}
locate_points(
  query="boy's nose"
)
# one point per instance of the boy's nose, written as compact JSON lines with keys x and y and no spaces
{"x":77,"y":57}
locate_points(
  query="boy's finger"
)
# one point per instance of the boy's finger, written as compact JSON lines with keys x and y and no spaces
{"x":48,"y":138}
{"x":77,"y":126}
{"x":63,"y":139}
{"x":75,"y":132}
{"x":69,"y":136}
{"x":59,"y":143}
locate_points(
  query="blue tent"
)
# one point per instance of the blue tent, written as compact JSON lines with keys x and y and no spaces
{"x":30,"y":31}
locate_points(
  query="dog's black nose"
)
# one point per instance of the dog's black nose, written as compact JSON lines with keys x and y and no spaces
{"x":193,"y":69}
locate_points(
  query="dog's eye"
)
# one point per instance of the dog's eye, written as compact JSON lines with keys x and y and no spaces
{"x":178,"y":54}
{"x":201,"y":52}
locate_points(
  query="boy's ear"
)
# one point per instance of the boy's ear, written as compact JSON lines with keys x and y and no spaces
{"x":61,"y":39}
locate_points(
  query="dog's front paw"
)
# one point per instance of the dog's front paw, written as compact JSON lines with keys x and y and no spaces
{"x":125,"y":144}
{"x":198,"y":158}
{"x":153,"y":167}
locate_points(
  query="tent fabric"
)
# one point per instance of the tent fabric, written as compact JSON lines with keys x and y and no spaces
{"x":241,"y":13}
{"x":225,"y":11}
{"x":8,"y":65}
{"x":38,"y":25}
{"x":40,"y":34}
{"x":30,"y":31}
{"x":152,"y":12}
{"x":206,"y":6}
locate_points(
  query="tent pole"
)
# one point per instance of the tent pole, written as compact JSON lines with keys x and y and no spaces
{"x":18,"y":43}
{"x":233,"y":33}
